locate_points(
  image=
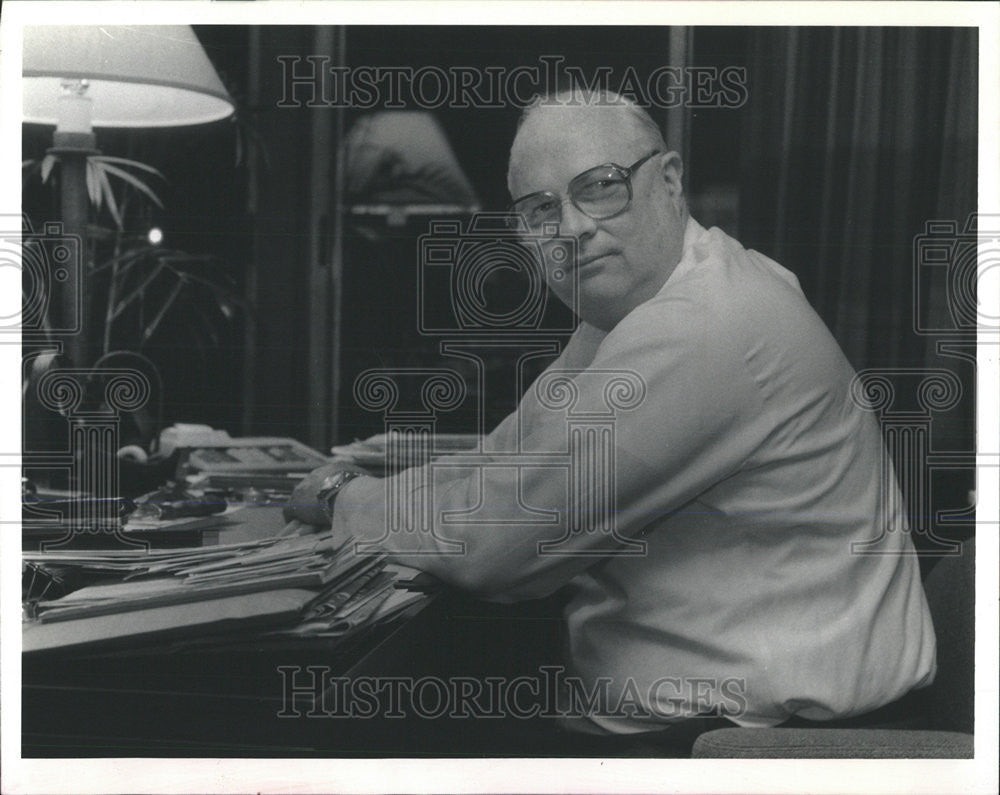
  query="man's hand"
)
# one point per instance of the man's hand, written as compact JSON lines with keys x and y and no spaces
{"x":304,"y":504}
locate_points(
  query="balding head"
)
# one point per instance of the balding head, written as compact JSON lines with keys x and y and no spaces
{"x":624,"y":259}
{"x":605,"y":112}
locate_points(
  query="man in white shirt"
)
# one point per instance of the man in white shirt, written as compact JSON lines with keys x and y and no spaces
{"x":746,"y":470}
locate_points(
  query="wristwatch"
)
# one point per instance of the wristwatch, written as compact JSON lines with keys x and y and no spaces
{"x":330,"y":488}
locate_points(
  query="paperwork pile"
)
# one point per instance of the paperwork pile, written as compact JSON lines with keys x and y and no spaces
{"x":298,"y":585}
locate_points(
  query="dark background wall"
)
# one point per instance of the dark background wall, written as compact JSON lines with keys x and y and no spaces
{"x":246,"y":192}
{"x":379,"y":308}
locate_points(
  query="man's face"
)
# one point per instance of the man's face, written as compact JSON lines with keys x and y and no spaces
{"x":621,"y":261}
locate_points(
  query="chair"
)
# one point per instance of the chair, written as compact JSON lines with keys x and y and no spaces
{"x":945,"y":717}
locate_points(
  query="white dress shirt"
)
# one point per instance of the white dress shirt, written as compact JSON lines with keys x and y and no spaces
{"x":747,"y":471}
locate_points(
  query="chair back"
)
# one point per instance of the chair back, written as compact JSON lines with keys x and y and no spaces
{"x":951,"y":589}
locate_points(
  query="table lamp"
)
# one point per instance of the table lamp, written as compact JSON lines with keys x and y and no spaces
{"x":81,"y":77}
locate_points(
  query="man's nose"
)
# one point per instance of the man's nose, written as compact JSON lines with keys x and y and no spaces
{"x":574,"y":222}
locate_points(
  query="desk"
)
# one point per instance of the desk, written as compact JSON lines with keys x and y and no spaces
{"x":228,"y":700}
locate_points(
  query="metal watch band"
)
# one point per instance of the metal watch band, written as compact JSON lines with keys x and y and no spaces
{"x":331,"y":488}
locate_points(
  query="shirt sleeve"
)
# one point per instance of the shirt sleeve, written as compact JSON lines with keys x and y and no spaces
{"x":519,"y":525}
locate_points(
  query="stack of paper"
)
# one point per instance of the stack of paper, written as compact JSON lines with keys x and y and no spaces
{"x":372,"y":595}
{"x":309,"y":584}
{"x":142,"y":525}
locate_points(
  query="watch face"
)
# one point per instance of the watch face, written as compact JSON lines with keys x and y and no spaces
{"x":332,"y":484}
{"x":332,"y":481}
{"x":329,"y":486}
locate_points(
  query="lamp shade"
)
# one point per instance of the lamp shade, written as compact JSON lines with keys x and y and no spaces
{"x":403,"y":157}
{"x":138,"y":76}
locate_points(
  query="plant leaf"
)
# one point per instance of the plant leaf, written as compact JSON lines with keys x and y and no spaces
{"x":124,"y":161}
{"x":93,"y":185}
{"x":47,"y":163}
{"x":168,"y":302}
{"x":136,"y":292}
{"x":219,"y":291}
{"x":133,"y":180}
{"x":126,"y":259}
{"x":110,"y":196}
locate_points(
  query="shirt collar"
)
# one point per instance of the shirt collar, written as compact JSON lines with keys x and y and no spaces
{"x":692,"y":234}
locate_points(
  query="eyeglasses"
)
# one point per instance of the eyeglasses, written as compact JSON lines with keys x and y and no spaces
{"x":600,"y":193}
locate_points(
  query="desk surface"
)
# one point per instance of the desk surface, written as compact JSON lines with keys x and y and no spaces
{"x":208,"y":696}
{"x":235,"y":698}
{"x":235,"y":701}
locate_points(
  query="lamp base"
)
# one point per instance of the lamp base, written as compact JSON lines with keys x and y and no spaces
{"x":80,"y":142}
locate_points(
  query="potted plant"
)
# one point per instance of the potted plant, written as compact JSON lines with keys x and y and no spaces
{"x":145,"y":301}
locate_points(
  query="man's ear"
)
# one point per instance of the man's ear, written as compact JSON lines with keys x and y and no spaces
{"x":672,"y":170}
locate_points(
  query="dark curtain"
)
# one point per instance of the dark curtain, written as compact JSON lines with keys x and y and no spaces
{"x":854,"y":139}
